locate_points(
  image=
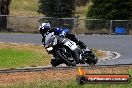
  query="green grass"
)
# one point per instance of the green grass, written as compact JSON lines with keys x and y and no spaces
{"x":16,"y":56}
{"x":13,"y":56}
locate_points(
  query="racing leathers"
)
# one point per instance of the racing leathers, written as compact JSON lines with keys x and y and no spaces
{"x":66,"y":33}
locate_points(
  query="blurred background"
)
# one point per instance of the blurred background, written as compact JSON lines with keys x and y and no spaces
{"x":80,"y":16}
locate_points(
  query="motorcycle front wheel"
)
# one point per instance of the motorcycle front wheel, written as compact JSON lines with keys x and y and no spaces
{"x":65,"y":60}
{"x":56,"y":62}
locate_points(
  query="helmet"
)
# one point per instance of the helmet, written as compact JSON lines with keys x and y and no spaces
{"x":44,"y":27}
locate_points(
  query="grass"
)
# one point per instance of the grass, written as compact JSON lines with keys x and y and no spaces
{"x":24,"y":7}
{"x":12,"y":56}
{"x":60,"y":78}
{"x":71,"y":84}
{"x":15,"y":57}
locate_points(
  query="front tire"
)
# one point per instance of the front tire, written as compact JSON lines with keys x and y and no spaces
{"x":64,"y":59}
{"x":56,"y":62}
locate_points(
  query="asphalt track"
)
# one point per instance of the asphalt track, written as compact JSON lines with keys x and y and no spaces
{"x":116,"y":43}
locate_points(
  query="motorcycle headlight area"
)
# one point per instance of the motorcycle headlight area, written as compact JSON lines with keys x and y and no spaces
{"x":49,"y":48}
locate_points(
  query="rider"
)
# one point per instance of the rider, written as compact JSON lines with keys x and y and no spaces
{"x":44,"y":28}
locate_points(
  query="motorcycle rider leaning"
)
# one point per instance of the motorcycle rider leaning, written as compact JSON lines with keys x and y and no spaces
{"x":45,"y":28}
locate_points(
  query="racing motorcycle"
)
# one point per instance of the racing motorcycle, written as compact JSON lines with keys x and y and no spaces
{"x":67,"y":51}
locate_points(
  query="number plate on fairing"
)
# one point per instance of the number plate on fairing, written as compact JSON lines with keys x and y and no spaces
{"x":72,"y":45}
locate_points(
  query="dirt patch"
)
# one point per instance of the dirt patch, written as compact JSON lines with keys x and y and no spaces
{"x":56,"y":75}
{"x":19,"y":46}
{"x":28,"y":77}
{"x":101,"y":53}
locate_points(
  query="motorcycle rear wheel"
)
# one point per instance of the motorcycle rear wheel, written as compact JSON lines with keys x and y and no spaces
{"x":91,"y":59}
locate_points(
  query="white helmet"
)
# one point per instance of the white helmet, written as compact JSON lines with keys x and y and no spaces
{"x":44,"y":27}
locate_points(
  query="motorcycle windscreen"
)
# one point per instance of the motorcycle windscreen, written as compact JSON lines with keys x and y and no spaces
{"x":50,"y":39}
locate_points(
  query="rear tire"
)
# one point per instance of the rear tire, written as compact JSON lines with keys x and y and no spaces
{"x":91,"y":59}
{"x":55,"y":62}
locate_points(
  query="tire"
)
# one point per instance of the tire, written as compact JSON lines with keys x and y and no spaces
{"x":91,"y":59}
{"x":69,"y":55}
{"x":56,"y":62}
{"x":59,"y":55}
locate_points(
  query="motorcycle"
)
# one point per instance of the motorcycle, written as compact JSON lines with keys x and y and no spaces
{"x":67,"y":51}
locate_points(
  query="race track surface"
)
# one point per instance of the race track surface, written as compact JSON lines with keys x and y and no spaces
{"x":116,"y":43}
